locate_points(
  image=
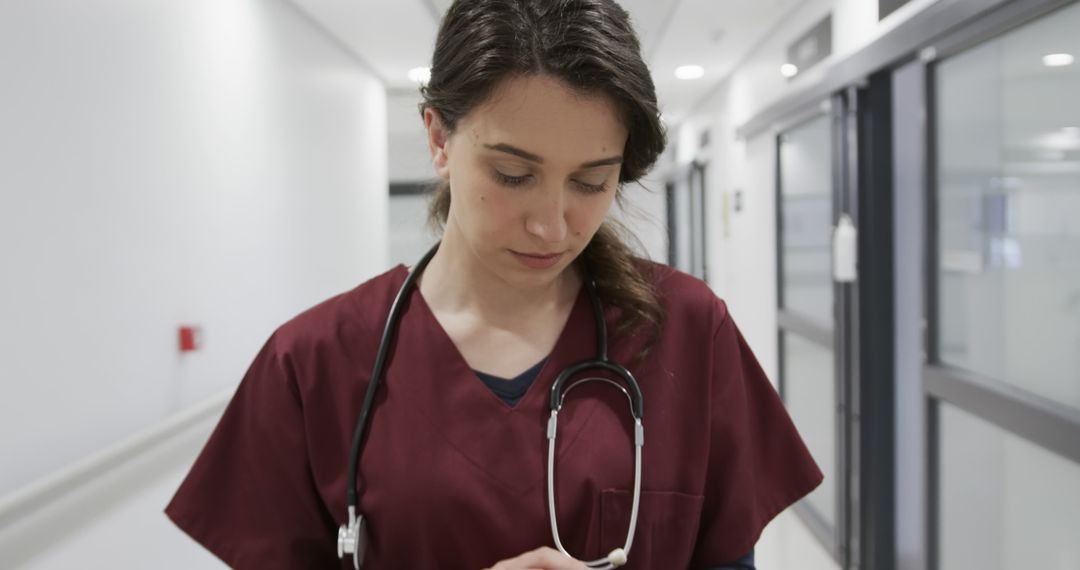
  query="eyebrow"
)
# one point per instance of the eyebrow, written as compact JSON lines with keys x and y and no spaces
{"x":508,"y":149}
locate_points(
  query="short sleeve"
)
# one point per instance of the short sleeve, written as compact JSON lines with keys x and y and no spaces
{"x":758,"y":464}
{"x":250,"y":497}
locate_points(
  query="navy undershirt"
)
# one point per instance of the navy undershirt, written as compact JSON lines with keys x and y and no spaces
{"x":511,"y":390}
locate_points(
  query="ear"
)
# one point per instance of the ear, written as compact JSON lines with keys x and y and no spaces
{"x":437,"y":137}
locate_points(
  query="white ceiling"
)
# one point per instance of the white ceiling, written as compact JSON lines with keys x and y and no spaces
{"x":394,"y":36}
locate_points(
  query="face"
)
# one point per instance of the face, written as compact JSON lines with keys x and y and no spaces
{"x":533,"y":172}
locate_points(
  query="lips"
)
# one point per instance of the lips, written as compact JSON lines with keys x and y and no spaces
{"x":538,"y":260}
{"x":539,"y":255}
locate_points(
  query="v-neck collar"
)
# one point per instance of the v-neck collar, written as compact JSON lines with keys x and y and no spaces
{"x":511,"y":390}
{"x":507,"y":443}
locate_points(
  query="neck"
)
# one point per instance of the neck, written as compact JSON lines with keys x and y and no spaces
{"x":457,"y":281}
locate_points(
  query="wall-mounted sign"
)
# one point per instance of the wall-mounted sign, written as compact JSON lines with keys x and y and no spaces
{"x":886,"y":7}
{"x":812,"y":47}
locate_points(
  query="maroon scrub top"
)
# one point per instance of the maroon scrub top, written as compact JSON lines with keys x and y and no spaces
{"x":452,"y":477}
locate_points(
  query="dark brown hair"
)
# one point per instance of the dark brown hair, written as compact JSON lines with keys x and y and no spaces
{"x":589,"y":45}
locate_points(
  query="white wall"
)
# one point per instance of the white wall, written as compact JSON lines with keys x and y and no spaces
{"x":115,"y":520}
{"x":410,"y":159}
{"x":410,"y":163}
{"x":643,"y":211}
{"x":742,"y":246}
{"x":410,"y":235}
{"x":206,"y":162}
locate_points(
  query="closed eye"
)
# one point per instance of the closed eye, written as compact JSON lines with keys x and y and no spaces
{"x":515,"y":181}
{"x":591,"y":188}
{"x":508,"y":180}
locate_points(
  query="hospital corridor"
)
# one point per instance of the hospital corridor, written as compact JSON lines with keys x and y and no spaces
{"x":833,"y":246}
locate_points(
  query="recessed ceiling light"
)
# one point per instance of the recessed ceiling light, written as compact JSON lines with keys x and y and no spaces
{"x":1057,"y":59}
{"x":690,"y":72}
{"x":420,"y":74}
{"x":789,"y":70}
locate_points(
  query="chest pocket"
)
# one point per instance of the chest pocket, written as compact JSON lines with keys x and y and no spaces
{"x":666,"y":530}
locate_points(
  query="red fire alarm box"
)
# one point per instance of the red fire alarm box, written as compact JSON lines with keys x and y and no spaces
{"x":190,"y":338}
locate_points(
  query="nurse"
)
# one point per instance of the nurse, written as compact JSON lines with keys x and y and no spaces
{"x":538,"y":113}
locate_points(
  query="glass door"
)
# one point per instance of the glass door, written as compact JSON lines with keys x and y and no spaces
{"x":814,"y":308}
{"x":1003,"y":354}
{"x":686,"y":216}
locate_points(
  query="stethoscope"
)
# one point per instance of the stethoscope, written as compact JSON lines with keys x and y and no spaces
{"x":352,"y":538}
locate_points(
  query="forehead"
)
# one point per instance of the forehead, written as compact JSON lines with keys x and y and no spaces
{"x":544,"y":116}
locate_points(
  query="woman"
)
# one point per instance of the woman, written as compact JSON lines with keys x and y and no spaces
{"x":537,"y":113}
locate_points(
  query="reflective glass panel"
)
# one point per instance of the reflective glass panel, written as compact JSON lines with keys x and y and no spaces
{"x":810,"y":395}
{"x":806,"y":220}
{"x":1005,"y":503}
{"x":1008,"y":207}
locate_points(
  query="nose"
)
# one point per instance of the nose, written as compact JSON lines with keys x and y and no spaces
{"x":546,"y":218}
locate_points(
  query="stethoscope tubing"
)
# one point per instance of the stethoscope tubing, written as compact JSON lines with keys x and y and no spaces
{"x":350,"y":539}
{"x":376,"y":373}
{"x":639,"y":441}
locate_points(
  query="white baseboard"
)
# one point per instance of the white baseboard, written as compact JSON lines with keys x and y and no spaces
{"x":44,"y":512}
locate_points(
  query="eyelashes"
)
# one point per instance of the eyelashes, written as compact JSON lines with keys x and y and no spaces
{"x":517,"y":181}
{"x":591,"y":188}
{"x":507,"y":180}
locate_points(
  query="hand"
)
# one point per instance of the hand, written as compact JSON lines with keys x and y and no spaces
{"x":544,"y":558}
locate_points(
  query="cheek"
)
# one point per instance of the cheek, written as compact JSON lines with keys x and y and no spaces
{"x":491,"y":209}
{"x":590,"y":213}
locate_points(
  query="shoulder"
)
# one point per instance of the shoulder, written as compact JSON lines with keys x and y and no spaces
{"x":338,"y":319}
{"x":684,"y":298}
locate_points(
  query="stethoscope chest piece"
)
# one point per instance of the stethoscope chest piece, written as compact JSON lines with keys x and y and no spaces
{"x":352,"y":538}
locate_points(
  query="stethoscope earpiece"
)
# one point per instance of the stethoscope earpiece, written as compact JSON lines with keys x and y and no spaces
{"x":617,"y":557}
